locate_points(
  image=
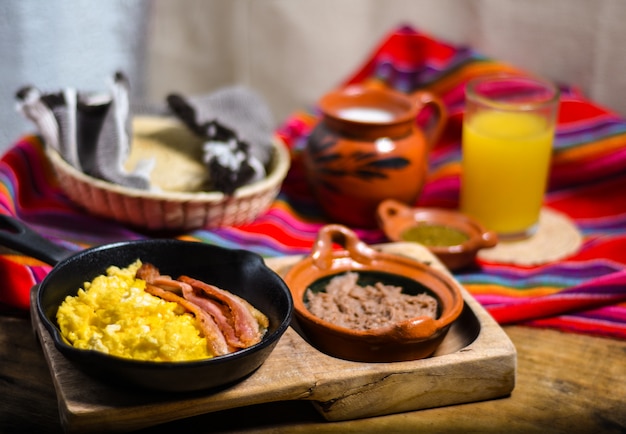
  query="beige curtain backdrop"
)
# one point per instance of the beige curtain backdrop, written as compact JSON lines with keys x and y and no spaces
{"x":55,"y":44}
{"x":292,"y":51}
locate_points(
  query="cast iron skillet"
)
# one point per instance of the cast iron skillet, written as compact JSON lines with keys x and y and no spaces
{"x":238,"y":271}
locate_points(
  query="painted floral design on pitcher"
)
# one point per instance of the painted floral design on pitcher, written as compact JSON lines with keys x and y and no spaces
{"x":332,"y":163}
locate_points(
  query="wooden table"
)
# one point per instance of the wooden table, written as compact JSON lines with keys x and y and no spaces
{"x":565,"y":383}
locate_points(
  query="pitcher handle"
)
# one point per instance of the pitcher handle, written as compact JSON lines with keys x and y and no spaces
{"x":423,"y":99}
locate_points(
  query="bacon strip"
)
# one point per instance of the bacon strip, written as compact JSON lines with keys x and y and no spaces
{"x":247,"y":327}
{"x":228,"y":321}
{"x":219,"y":313}
{"x":215,"y":338}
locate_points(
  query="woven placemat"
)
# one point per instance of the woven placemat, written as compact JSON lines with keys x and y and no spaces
{"x":556,"y":238}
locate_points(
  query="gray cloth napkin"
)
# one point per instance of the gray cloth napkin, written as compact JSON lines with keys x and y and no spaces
{"x":91,"y":131}
{"x":237,"y":126}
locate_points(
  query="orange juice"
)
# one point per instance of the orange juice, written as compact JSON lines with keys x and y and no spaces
{"x":506,"y":158}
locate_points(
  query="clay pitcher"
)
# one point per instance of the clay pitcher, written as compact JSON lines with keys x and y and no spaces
{"x":367,"y":147}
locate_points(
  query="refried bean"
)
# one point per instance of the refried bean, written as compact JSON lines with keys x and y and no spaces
{"x":347,"y":304}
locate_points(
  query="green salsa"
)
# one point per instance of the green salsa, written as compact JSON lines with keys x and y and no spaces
{"x":434,"y":235}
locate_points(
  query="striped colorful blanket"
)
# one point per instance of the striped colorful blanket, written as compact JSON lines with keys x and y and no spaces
{"x":587,"y":183}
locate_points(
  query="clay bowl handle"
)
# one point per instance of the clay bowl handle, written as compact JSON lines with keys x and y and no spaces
{"x":390,"y":209}
{"x":394,"y":217}
{"x":433,"y":131}
{"x":416,"y":329}
{"x":488,"y":239}
{"x":322,"y":252}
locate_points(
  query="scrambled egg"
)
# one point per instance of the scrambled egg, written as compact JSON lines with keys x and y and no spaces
{"x":114,"y":314}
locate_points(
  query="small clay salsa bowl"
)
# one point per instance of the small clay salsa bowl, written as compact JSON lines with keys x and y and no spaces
{"x":409,"y":339}
{"x":450,"y":235}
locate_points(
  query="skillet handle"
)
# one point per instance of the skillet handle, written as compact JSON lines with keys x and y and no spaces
{"x":17,"y":236}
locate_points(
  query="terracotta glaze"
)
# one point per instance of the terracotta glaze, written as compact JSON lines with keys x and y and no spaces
{"x":368,"y":147}
{"x":410,"y":339}
{"x":396,"y":218}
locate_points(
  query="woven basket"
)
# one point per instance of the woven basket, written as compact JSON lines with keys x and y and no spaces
{"x":172,"y":210}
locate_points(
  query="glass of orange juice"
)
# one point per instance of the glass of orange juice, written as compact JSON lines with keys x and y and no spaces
{"x":508,"y":132}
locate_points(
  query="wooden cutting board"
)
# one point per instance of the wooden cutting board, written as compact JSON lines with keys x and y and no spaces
{"x":476,"y":361}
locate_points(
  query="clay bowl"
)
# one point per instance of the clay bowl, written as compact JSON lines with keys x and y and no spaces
{"x":396,"y":218}
{"x":410,"y":339}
